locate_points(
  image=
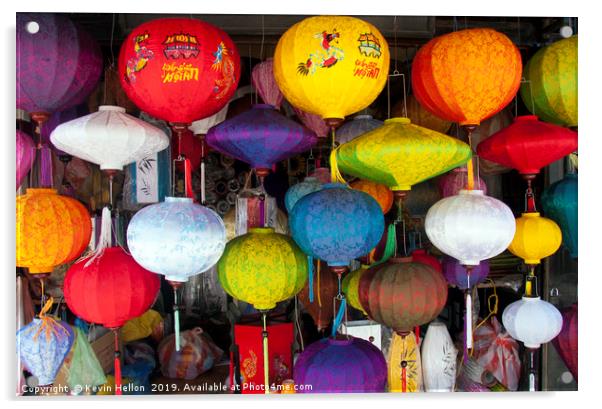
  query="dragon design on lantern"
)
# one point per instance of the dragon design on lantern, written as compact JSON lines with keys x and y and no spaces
{"x":326,"y":57}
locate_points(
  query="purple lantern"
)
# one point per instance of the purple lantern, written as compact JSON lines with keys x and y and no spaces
{"x":262,"y":78}
{"x":455,"y":273}
{"x":58,"y":118}
{"x":455,"y":180}
{"x":341,"y":365}
{"x":26,"y":153}
{"x":261,"y":137}
{"x":58,"y":64}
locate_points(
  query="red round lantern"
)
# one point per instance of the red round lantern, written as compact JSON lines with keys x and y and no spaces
{"x":180,"y":70}
{"x":402,"y":294}
{"x":421,"y":256}
{"x":528,"y":145}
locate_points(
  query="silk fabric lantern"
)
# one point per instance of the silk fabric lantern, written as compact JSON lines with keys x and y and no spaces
{"x":331,"y":66}
{"x":26,"y":151}
{"x":51,"y":230}
{"x":296,"y":192}
{"x":337,"y":224}
{"x":57,"y":67}
{"x":400,"y":154}
{"x":456,"y":275}
{"x":567,"y":342}
{"x":455,"y":180}
{"x":405,"y":364}
{"x":466,"y":76}
{"x":325,"y":288}
{"x":312,"y":122}
{"x":532,"y":321}
{"x":418,"y":115}
{"x":179,"y":69}
{"x":381,"y":193}
{"x":536,"y":237}
{"x":261,"y":137}
{"x":438,"y":359}
{"x":351,"y":284}
{"x":57,"y":119}
{"x":341,"y":366}
{"x":359,"y":125}
{"x":550,"y":90}
{"x":560,"y":203}
{"x":528,"y":145}
{"x":110,"y":138}
{"x":262,"y":268}
{"x":421,"y":256}
{"x":262,"y":78}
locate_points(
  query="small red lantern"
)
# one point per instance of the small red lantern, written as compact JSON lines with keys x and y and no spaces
{"x":421,"y":256}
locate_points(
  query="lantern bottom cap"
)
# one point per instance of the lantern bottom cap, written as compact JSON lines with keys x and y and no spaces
{"x":177,"y":279}
{"x":111,"y":166}
{"x":533,"y":261}
{"x":532,"y":346}
{"x":401,"y":187}
{"x":470,"y":263}
{"x":40,"y":269}
{"x":264,"y":307}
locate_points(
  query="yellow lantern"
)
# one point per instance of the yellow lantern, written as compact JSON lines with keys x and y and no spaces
{"x":536,"y":237}
{"x":331,"y":66}
{"x":381,"y":193}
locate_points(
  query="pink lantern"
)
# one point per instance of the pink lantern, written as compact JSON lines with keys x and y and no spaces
{"x":313,"y":122}
{"x":455,"y":180}
{"x":567,"y":342}
{"x":262,"y":78}
{"x":25,"y":155}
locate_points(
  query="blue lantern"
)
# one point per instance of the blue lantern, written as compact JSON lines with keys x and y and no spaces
{"x":337,"y":224}
{"x":560,"y":204}
{"x":294,"y":193}
{"x":359,"y":125}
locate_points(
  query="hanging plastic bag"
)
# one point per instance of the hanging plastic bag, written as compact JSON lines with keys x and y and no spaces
{"x":85,"y":371}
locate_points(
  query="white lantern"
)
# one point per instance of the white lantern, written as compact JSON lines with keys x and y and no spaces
{"x":532,"y":321}
{"x":110,"y":138}
{"x":201,"y":127}
{"x":470,"y":226}
{"x":438,"y":359}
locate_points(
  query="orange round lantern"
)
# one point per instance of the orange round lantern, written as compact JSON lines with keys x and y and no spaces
{"x":467,"y":76}
{"x":381,"y":193}
{"x":51,"y":230}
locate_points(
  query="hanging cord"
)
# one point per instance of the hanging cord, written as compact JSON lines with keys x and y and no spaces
{"x":318,"y":280}
{"x":342,"y":308}
{"x":310,"y":266}
{"x":297,"y":324}
{"x":48,"y":324}
{"x":266,"y":361}
{"x":117,"y":357}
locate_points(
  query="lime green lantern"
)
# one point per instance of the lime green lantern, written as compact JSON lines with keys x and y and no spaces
{"x":351,"y":287}
{"x":262,"y":268}
{"x":550,"y":91}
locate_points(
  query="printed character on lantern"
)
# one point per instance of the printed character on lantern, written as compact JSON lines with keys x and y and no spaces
{"x":181,"y":45}
{"x":142,"y":56}
{"x":369,"y":45}
{"x":224,"y":62}
{"x":321,"y":59}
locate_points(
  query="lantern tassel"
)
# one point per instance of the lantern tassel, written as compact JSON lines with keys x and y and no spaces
{"x":339,"y":317}
{"x":105,"y":239}
{"x":266,"y":361}
{"x":203,"y":182}
{"x":310,"y":266}
{"x":468,"y":321}
{"x":176,"y":318}
{"x":318,"y":280}
{"x":117,"y":363}
{"x":45,"y":166}
{"x":188,"y":178}
{"x":390,"y":245}
{"x":335,"y":174}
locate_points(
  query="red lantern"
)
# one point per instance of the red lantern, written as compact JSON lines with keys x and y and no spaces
{"x":179,"y":69}
{"x":528,"y":145}
{"x":421,"y":256}
{"x":567,"y":342}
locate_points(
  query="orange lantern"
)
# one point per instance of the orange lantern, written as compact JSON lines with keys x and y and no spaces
{"x":381,"y":193}
{"x":51,"y":230}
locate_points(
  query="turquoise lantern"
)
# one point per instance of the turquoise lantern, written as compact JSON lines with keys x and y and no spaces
{"x":560,"y":204}
{"x":309,"y":185}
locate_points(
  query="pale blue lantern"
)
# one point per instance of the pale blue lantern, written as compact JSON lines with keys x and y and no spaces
{"x":309,"y":185}
{"x":359,"y":125}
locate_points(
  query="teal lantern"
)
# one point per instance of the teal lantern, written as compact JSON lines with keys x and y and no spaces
{"x":560,"y":204}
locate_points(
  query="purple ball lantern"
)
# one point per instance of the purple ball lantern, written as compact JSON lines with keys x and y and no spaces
{"x":260,"y":137}
{"x":26,"y":153}
{"x":455,"y":180}
{"x":455,"y":273}
{"x":341,"y":366}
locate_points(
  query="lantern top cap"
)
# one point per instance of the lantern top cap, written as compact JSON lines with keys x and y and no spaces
{"x":531,"y":299}
{"x":38,"y":190}
{"x":472,"y":192}
{"x":170,"y":199}
{"x":526,"y":118}
{"x":334,"y":341}
{"x":531,"y":214}
{"x":334,"y":186}
{"x":363,"y":116}
{"x":398,"y":120}
{"x":113,"y":108}
{"x":399,"y":260}
{"x":261,"y":230}
{"x":310,"y":179}
{"x":263,"y":106}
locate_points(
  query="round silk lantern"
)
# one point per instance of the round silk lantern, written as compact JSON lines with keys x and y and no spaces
{"x":351,"y":284}
{"x":262,"y":78}
{"x":470,"y":226}
{"x":418,"y":115}
{"x":58,"y":65}
{"x":261,"y":137}
{"x":550,"y":91}
{"x":560,"y":203}
{"x":400,"y":154}
{"x":318,"y":303}
{"x":359,"y":125}
{"x":421,"y":256}
{"x":51,"y":230}
{"x":466,"y":76}
{"x":532,"y":321}
{"x":536,"y":237}
{"x":296,"y":192}
{"x":331,"y":66}
{"x":452,"y":182}
{"x":456,"y":275}
{"x":528,"y":145}
{"x":381,"y":193}
{"x":26,"y":153}
{"x":337,"y":224}
{"x":567,"y":342}
{"x":312,"y":122}
{"x":402,"y":294}
{"x":179,"y":69}
{"x":110,"y":138}
{"x":341,"y":366}
{"x":262,"y":268}
{"x":438,"y":359}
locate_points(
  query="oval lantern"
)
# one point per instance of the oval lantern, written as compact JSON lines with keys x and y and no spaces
{"x":202,"y":126}
{"x":419,"y":116}
{"x":325,"y":288}
{"x":331,"y":66}
{"x":381,"y":193}
{"x":179,"y":69}
{"x":350,"y":287}
{"x":536,"y":237}
{"x":467,"y":76}
{"x":560,"y":203}
{"x":262,"y":78}
{"x":455,"y":180}
{"x":341,"y":366}
{"x":337,"y":224}
{"x":532,"y":321}
{"x":58,"y":65}
{"x":470,"y":226}
{"x":550,"y":90}
{"x":455,"y":273}
{"x":567,"y":342}
{"x":359,"y":125}
{"x":26,"y":153}
{"x":51,"y":230}
{"x":402,"y":294}
{"x":294,"y":193}
{"x":312,"y":122}
{"x":438,"y":359}
{"x":261,"y":137}
{"x":400,"y":154}
{"x":262,"y":268}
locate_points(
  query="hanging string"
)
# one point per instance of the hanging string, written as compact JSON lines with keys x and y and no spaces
{"x":310,"y":266}
{"x":342,"y":308}
{"x":297,"y":324}
{"x":266,"y":361}
{"x":469,"y":164}
{"x":117,"y":363}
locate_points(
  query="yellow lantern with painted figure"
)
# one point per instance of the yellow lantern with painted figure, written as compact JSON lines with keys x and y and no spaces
{"x":536,"y":237}
{"x":331,"y":66}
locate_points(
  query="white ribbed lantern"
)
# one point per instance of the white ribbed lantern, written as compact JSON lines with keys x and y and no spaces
{"x":532,"y":321}
{"x":201,"y":127}
{"x":110,"y":138}
{"x":438,"y":359}
{"x":470,"y":226}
